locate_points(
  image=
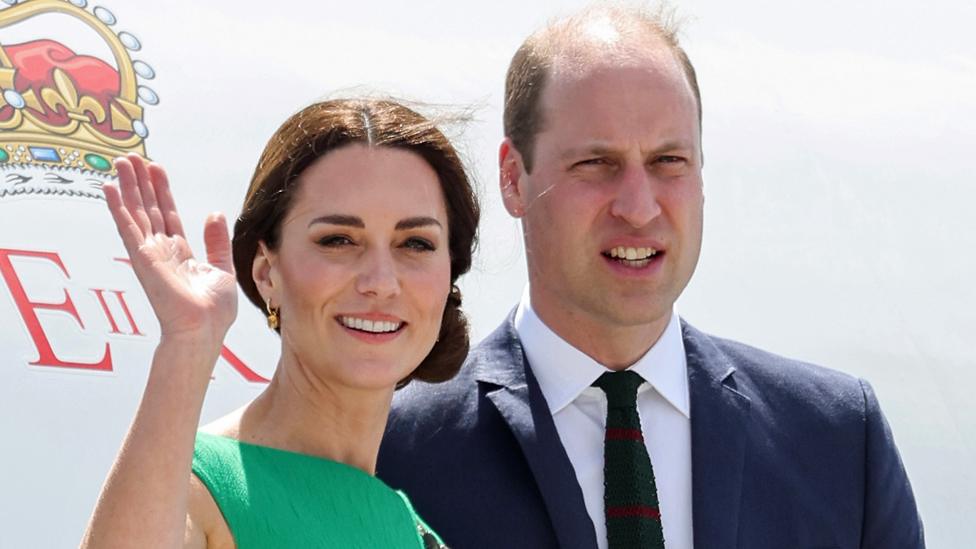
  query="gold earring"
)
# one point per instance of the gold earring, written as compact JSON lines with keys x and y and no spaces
{"x":273,"y":320}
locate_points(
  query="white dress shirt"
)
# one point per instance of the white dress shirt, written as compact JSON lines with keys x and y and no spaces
{"x":579,"y":411}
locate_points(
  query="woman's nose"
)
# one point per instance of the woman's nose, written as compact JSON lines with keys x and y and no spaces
{"x":378,"y":277}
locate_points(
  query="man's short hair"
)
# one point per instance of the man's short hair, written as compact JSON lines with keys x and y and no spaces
{"x":532,"y":64}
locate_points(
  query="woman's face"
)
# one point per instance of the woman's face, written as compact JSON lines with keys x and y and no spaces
{"x":363,"y":269}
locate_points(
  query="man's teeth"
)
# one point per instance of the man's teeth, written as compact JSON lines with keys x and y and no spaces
{"x":377,"y":326}
{"x":632,"y":254}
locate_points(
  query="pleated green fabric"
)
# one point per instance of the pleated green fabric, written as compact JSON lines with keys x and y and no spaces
{"x":276,"y":498}
{"x":630,"y":493}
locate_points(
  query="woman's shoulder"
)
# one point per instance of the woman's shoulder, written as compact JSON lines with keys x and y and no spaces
{"x":244,"y":491}
{"x":228,"y":425}
{"x":213,"y":475}
{"x":205,"y":524}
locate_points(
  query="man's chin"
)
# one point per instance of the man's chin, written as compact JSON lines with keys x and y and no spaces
{"x":631,"y":313}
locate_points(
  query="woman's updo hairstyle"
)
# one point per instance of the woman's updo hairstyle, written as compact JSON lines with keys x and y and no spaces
{"x":329,"y":125}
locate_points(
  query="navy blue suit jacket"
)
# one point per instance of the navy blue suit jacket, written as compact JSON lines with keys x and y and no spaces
{"x":784,"y":455}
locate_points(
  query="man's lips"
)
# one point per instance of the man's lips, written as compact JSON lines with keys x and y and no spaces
{"x":633,"y":255}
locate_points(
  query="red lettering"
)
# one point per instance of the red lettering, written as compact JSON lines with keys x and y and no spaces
{"x":237,"y":364}
{"x":108,"y":314}
{"x":28,"y":312}
{"x":119,"y":296}
{"x":128,"y":313}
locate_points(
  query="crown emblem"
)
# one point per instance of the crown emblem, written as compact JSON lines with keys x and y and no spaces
{"x":63,"y":114}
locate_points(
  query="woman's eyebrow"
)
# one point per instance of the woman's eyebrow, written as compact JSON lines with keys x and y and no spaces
{"x":416,"y":222}
{"x":339,"y":219}
{"x":357,"y":222}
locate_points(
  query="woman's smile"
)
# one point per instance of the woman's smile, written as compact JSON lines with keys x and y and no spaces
{"x":372,"y":327}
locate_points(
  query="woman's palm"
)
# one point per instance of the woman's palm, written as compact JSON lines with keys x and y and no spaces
{"x":187,"y":295}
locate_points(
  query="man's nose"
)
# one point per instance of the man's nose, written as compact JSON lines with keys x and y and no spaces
{"x":636,"y":197}
{"x":378,"y":276}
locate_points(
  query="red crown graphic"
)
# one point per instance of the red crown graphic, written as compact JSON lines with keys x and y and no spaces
{"x":67,"y":111}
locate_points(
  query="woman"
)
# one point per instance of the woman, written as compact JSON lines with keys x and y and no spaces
{"x":357,"y":223}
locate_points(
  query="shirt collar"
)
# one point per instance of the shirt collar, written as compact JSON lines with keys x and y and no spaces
{"x":564,"y":372}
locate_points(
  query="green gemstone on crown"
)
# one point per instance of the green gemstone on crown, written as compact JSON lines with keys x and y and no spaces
{"x":98,"y":162}
{"x":4,"y":156}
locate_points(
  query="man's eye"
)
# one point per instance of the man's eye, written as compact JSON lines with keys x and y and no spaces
{"x":667,"y":159}
{"x":419,"y":244}
{"x":592,"y":162}
{"x":335,"y":241}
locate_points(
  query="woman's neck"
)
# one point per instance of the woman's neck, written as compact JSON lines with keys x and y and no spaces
{"x":301,"y":412}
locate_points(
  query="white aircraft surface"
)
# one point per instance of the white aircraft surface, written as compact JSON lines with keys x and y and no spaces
{"x":838,"y":140}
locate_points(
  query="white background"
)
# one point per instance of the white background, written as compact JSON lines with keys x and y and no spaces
{"x":839,"y":143}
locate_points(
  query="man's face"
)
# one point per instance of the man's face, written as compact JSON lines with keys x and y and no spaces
{"x":612,"y":210}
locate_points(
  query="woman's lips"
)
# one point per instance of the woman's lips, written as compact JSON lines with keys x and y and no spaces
{"x":372,"y":327}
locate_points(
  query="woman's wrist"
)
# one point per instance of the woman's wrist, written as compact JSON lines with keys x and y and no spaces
{"x":198,"y":340}
{"x":191,"y":356}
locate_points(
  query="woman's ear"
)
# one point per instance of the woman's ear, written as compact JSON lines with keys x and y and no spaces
{"x":263,"y":272}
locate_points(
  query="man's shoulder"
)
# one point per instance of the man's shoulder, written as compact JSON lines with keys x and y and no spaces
{"x":435,"y":403}
{"x":772,"y":378}
{"x":447,"y":402}
{"x":761,"y":375}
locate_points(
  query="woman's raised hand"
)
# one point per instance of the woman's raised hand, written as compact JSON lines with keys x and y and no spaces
{"x":144,"y":501}
{"x":192,"y":298}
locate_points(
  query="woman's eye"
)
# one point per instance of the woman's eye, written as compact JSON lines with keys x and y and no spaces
{"x":335,"y":241}
{"x":419,"y":244}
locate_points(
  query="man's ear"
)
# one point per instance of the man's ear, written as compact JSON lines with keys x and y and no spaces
{"x":263,"y":271}
{"x":512,"y":178}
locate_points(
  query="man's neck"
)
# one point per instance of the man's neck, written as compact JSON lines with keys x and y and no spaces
{"x":615,"y":347}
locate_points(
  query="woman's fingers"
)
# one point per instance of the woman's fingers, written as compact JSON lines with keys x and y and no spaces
{"x":147,"y":192}
{"x":217,"y":241}
{"x":131,"y":195}
{"x":131,"y":234}
{"x":164,"y":199}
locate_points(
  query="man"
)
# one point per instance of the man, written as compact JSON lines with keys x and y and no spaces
{"x":715,"y":444}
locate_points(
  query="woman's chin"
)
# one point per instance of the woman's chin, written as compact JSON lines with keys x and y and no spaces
{"x":375,"y":375}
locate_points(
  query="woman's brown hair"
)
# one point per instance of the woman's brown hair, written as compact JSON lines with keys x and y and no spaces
{"x":329,"y":125}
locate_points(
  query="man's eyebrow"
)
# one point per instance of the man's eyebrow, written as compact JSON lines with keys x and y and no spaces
{"x":671,"y":146}
{"x":595,"y":149}
{"x":339,"y":219}
{"x":417,"y":222}
{"x":600,"y":149}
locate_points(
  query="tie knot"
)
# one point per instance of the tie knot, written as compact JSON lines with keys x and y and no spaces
{"x":620,"y":387}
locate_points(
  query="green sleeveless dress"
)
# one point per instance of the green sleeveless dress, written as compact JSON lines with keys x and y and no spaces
{"x":276,"y":498}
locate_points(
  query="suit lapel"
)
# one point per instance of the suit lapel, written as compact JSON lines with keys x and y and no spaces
{"x":719,"y":416}
{"x":513,"y":390}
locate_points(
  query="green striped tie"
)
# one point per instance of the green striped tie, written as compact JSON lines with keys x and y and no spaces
{"x":630,"y":495}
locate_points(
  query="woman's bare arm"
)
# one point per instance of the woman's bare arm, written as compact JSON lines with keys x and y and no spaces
{"x":144,"y":502}
{"x":145,"y":498}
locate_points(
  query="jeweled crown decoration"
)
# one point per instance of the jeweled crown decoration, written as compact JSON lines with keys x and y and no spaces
{"x":62,"y":111}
